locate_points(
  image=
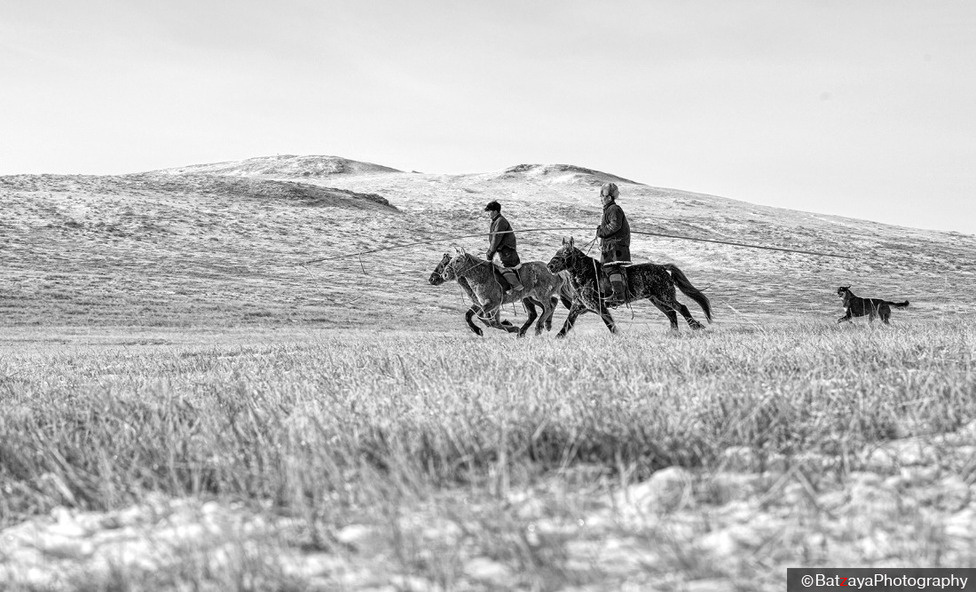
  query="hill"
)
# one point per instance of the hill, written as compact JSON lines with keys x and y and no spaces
{"x":284,"y":165}
{"x":222,"y":244}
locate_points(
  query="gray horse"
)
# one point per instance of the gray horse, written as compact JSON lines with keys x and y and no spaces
{"x":567,"y":295}
{"x":437,"y":278}
{"x":540,"y":288}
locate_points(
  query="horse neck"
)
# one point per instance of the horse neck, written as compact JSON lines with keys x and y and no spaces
{"x":473,"y":269}
{"x":583,"y":266}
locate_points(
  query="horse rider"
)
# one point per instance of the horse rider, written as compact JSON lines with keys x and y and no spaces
{"x":614,"y":233}
{"x":501,"y":239}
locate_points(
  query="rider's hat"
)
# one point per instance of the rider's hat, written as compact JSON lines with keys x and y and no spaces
{"x":610,"y":189}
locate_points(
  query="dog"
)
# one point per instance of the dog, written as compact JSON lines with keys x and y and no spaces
{"x":873,"y":307}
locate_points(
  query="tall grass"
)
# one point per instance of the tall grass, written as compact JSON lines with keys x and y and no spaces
{"x":351,"y":416}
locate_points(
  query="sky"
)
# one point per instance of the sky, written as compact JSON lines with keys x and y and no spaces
{"x":863,"y":109}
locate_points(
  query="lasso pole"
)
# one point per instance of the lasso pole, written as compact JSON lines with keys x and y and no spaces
{"x":563,"y":228}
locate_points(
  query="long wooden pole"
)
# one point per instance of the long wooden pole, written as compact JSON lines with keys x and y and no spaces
{"x":562,"y":228}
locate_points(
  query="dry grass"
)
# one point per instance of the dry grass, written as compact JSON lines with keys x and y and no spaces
{"x":161,"y":342}
{"x":348,"y":428}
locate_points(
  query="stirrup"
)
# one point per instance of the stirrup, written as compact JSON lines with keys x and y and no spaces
{"x":615,"y":300}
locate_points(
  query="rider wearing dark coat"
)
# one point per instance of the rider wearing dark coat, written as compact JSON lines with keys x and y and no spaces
{"x":614,"y":233}
{"x":501,"y":240}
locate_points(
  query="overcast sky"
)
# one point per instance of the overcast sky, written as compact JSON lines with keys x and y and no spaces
{"x":859,"y":108}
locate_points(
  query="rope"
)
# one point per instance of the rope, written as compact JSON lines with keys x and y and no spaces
{"x":564,"y":228}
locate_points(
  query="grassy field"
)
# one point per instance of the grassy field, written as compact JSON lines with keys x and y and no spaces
{"x":525,"y":456}
{"x":186,"y":406}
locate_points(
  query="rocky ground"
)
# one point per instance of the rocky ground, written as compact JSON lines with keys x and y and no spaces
{"x":737,"y":525}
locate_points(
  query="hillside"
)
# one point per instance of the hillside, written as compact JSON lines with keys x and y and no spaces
{"x":284,"y":165}
{"x":221,"y":244}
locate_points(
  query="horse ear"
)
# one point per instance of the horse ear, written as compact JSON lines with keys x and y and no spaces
{"x":571,"y":241}
{"x":457,"y":250}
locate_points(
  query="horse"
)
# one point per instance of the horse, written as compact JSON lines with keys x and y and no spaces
{"x":566,"y":295}
{"x":645,"y":280}
{"x":539,"y":289}
{"x":437,"y":278}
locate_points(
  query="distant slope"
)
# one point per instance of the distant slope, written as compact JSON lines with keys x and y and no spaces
{"x":284,"y":165}
{"x":232,"y":188}
{"x":222,"y":244}
{"x":563,"y":173}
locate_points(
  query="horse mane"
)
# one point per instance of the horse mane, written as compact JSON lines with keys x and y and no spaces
{"x":473,"y":261}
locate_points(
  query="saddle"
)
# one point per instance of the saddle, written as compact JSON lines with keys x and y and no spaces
{"x":605,"y":287}
{"x":498,"y":273}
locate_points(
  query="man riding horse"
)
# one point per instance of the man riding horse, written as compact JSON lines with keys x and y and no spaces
{"x":501,"y":240}
{"x":614,"y":233}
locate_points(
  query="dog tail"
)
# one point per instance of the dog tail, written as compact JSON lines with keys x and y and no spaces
{"x":897,"y":304}
{"x":692,"y":292}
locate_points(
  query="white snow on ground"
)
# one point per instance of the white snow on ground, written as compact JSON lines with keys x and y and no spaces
{"x":756,"y":511}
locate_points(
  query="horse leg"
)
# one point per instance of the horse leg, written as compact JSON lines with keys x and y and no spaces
{"x":687,"y":315}
{"x":607,"y":319}
{"x":674,"y":305}
{"x":668,"y":312}
{"x":486,"y":319}
{"x":530,"y":310}
{"x":490,"y":317}
{"x":547,"y":311}
{"x":574,"y":311}
{"x":552,"y":305}
{"x":467,"y":318}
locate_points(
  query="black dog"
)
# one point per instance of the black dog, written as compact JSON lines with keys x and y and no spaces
{"x":874,"y":307}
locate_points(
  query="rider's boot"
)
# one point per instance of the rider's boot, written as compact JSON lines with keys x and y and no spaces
{"x":512,"y":278}
{"x":619,"y":295}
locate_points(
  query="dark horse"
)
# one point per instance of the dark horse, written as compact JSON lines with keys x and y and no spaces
{"x":646,"y":280}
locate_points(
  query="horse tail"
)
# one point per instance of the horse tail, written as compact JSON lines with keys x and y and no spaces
{"x":690,"y":291}
{"x":897,"y":304}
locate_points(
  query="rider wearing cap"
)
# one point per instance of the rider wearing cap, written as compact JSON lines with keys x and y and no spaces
{"x":501,"y":240}
{"x":614,"y":233}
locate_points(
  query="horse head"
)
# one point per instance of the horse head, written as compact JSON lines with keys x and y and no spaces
{"x":461,"y":265}
{"x":561,"y":260}
{"x":451,"y":270}
{"x":437,"y":276}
